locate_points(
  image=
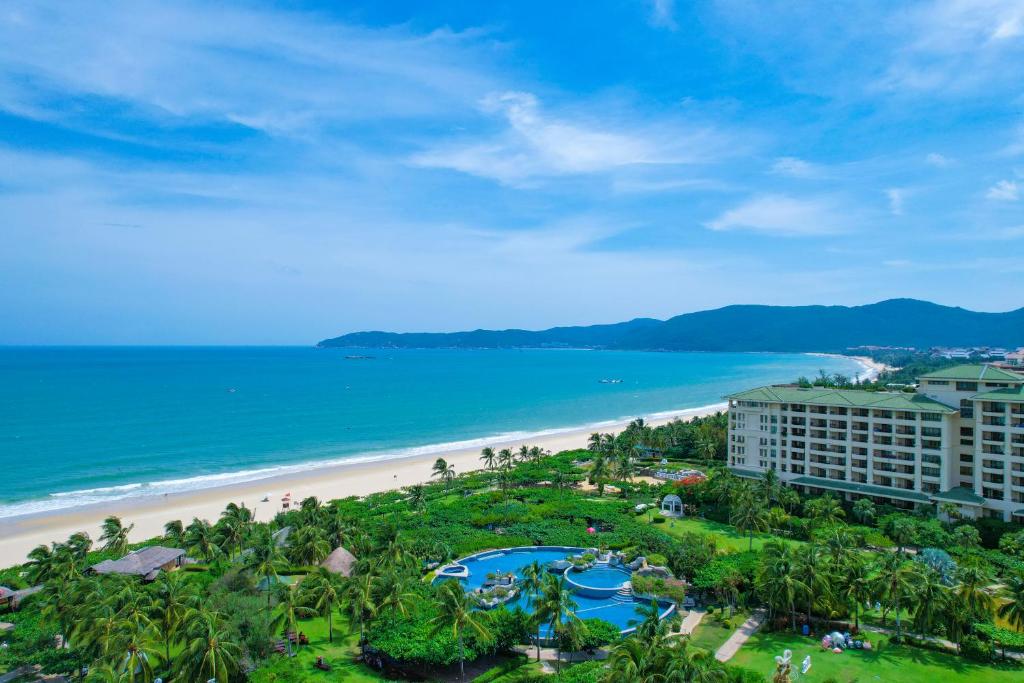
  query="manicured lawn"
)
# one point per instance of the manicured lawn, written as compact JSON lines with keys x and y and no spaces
{"x":711,"y":634}
{"x":884,"y":663}
{"x":726,"y":535}
{"x":338,"y":654}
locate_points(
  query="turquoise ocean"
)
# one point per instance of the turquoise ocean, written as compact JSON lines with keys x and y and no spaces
{"x":87,"y":425}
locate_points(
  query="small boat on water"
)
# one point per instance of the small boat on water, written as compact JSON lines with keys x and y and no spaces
{"x":610,"y":381}
{"x":359,"y":357}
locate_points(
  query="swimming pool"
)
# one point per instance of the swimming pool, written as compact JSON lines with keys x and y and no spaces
{"x":596,"y":590}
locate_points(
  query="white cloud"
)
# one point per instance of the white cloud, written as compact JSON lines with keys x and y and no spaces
{"x":797,"y":168}
{"x":187,"y":62}
{"x":663,"y":14}
{"x":783,"y":215}
{"x":938,"y":160}
{"x":1004,"y":190}
{"x":535,"y":144}
{"x":896,"y":198}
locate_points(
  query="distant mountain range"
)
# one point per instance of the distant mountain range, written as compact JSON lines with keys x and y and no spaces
{"x":895,"y":322}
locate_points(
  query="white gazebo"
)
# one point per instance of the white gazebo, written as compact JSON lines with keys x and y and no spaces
{"x":672,"y":506}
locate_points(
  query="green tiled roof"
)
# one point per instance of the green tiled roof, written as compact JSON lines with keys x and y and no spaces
{"x":1020,"y":512}
{"x":959,"y":494}
{"x":889,"y":400}
{"x":1007,"y":393}
{"x":862,"y":489}
{"x":749,"y":474}
{"x":975,"y":373}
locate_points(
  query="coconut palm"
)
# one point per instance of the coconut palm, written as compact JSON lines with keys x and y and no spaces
{"x":856,"y":587}
{"x":417,"y":496}
{"x":456,"y":614}
{"x":598,"y":472}
{"x":1013,"y":609}
{"x":555,"y":609}
{"x":707,"y":446}
{"x":748,"y":516}
{"x":769,"y":486}
{"x":524,"y":453}
{"x":290,"y":609}
{"x":776,"y":578}
{"x":506,"y":458}
{"x":488,"y":457}
{"x":201,"y":539}
{"x":308,"y":546}
{"x":929,"y":597}
{"x":322,"y":588}
{"x":810,"y":567}
{"x":209,"y":651}
{"x":864,"y":510}
{"x":902,"y":531}
{"x":134,"y":654}
{"x":264,"y":558}
{"x":531,"y":584}
{"x":173,"y":599}
{"x":972,"y":590}
{"x":443,"y":470}
{"x":174,"y":533}
{"x":824,"y":510}
{"x":79,"y":544}
{"x":115,"y":535}
{"x":358,"y":603}
{"x":624,"y":466}
{"x":894,"y":584}
{"x":393,"y":592}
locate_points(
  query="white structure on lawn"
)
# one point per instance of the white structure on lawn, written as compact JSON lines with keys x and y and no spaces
{"x":672,"y":506}
{"x":958,"y":440}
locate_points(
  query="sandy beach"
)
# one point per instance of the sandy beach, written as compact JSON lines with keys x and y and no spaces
{"x":18,"y":535}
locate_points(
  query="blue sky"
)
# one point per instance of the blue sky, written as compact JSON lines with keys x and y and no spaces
{"x":186,"y":172}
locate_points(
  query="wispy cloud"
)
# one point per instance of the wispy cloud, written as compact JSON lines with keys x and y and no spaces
{"x":896,"y":197}
{"x":937,"y":160}
{"x":797,"y":168}
{"x":783,"y":215}
{"x":1005,"y":191}
{"x":663,"y":14}
{"x":536,"y":144}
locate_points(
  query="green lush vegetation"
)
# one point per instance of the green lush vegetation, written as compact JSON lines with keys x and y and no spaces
{"x":818,"y":562}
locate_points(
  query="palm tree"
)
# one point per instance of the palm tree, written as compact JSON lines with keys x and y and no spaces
{"x":324,"y":590}
{"x":598,"y":473}
{"x":290,"y":610}
{"x":894,"y":583}
{"x":488,"y":457}
{"x":524,"y":453}
{"x":174,"y":533}
{"x":201,"y":538}
{"x":555,"y":609}
{"x":358,"y":602}
{"x":824,"y":510}
{"x":133,"y":655}
{"x":264,"y":558}
{"x":115,"y":535}
{"x":531,"y":584}
{"x":417,"y":496}
{"x":209,"y":652}
{"x":777,"y":580}
{"x":864,"y":510}
{"x":748,"y":516}
{"x":79,"y":544}
{"x":856,"y":587}
{"x":930,"y":597}
{"x":809,"y":568}
{"x":229,"y":535}
{"x":624,"y":466}
{"x":707,"y":446}
{"x":308,"y":546}
{"x":174,"y":598}
{"x":972,"y":590}
{"x":769,"y":486}
{"x":456,"y":614}
{"x":506,"y":457}
{"x":1013,"y":609}
{"x":901,"y":530}
{"x":444,"y":470}
{"x":392,"y":592}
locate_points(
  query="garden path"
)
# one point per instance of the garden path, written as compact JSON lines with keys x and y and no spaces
{"x":741,"y":635}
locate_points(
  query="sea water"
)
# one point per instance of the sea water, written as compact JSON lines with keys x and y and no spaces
{"x":85,"y":425}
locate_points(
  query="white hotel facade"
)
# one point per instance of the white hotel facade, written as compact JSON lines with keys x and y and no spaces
{"x":958,"y":440}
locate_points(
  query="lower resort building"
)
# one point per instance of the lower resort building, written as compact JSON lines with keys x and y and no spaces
{"x":958,"y":441}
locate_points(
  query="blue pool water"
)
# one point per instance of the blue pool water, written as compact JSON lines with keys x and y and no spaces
{"x":622,"y":611}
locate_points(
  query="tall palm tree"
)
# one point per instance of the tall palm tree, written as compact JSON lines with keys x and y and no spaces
{"x":598,"y":472}
{"x":308,"y":546}
{"x":901,"y":530}
{"x":506,"y":458}
{"x":201,"y":538}
{"x":417,"y":496}
{"x":79,"y":544}
{"x":358,"y":602}
{"x":769,"y":486}
{"x":456,"y":613}
{"x":776,"y":578}
{"x":393,"y":592}
{"x":174,"y":533}
{"x":290,"y":609}
{"x":929,"y":597}
{"x":894,"y":584}
{"x":531,"y":585}
{"x":323,"y":588}
{"x":1013,"y":609}
{"x":264,"y":558}
{"x":555,"y":609}
{"x":488,"y":457}
{"x":173,"y":598}
{"x":443,"y":470}
{"x":972,"y":589}
{"x":209,"y":651}
{"x":824,"y":510}
{"x":856,"y":587}
{"x":134,"y":654}
{"x":707,"y":447}
{"x":115,"y":535}
{"x":864,"y":510}
{"x":748,"y":516}
{"x":624,"y":466}
{"x":810,"y":567}
{"x":524,"y":453}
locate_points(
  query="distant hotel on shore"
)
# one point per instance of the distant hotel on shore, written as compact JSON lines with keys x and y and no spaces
{"x":958,"y":440}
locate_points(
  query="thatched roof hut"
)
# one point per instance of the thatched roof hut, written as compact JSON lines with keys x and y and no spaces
{"x":340,"y":561}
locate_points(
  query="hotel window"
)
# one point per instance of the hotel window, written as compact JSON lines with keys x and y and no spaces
{"x":931,"y":417}
{"x":966,"y":386}
{"x":967,"y":408}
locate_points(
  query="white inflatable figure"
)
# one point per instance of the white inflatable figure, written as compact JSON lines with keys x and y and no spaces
{"x":784,"y":660}
{"x":806,"y":665}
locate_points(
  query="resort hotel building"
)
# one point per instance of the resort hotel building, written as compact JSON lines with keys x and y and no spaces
{"x":958,"y":441}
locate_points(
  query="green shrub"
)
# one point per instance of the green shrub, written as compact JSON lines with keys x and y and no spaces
{"x":657,"y":560}
{"x":973,"y":647}
{"x":658,"y":519}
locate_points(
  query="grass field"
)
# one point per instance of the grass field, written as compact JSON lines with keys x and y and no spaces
{"x":339,"y":654}
{"x":726,"y":535}
{"x":710,"y":634}
{"x":884,"y":663}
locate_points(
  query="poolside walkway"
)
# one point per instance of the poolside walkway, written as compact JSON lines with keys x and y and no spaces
{"x":691,"y":621}
{"x":737,"y":639}
{"x":550,"y":654}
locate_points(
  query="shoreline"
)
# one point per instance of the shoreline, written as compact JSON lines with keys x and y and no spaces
{"x":339,"y":480}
